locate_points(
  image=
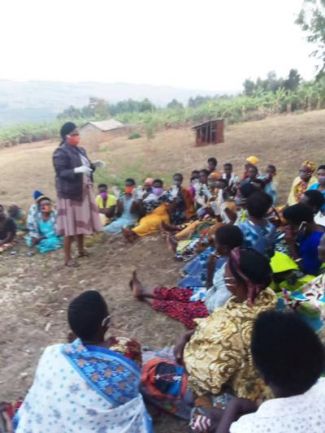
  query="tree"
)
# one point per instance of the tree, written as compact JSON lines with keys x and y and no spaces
{"x":293,"y":80}
{"x":174,"y":104}
{"x":146,"y":105}
{"x":249,"y":87}
{"x":312,"y":21}
{"x":69,"y":113}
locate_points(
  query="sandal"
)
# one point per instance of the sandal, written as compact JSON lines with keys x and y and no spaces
{"x":72,"y":264}
{"x":202,"y":420}
{"x":84,"y":253}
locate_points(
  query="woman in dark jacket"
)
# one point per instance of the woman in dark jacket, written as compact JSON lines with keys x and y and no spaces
{"x":77,"y":210}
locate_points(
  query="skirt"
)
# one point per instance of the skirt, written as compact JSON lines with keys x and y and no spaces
{"x":78,"y":217}
{"x":176,"y":303}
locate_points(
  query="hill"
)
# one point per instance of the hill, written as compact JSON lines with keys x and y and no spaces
{"x":37,"y":101}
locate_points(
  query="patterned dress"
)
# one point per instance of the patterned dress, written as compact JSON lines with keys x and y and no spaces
{"x":218,"y":353}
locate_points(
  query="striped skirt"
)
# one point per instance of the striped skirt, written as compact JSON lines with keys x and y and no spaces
{"x":78,"y":217}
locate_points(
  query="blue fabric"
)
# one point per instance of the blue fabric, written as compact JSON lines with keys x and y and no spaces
{"x":51,"y":242}
{"x":127,"y":219}
{"x":112,"y":375}
{"x":316,"y":186}
{"x":259,"y":237}
{"x":196,"y":270}
{"x":308,"y":252}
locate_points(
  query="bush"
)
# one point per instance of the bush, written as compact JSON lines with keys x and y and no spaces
{"x":134,"y":136}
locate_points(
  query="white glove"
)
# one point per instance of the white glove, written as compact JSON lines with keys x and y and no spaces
{"x":83,"y":169}
{"x":99,"y":164}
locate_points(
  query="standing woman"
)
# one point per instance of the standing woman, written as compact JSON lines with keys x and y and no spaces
{"x":77,"y":210}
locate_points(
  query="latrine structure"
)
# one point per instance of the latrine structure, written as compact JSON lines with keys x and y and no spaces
{"x":210,"y":132}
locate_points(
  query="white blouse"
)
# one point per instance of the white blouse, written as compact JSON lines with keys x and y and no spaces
{"x":303,"y":413}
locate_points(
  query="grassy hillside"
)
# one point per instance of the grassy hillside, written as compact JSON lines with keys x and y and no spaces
{"x":36,"y":290}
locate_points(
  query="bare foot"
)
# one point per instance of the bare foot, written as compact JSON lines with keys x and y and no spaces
{"x":136,"y":287}
{"x":168,"y":228}
{"x":171,"y":243}
{"x":128,"y":234}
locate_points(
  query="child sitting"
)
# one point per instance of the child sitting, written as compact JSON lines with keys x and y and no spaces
{"x":106,"y":204}
{"x":43,"y":233}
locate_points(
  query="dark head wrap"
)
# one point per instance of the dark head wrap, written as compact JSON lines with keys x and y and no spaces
{"x":66,"y":129}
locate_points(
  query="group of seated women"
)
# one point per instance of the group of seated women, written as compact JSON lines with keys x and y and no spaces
{"x":38,"y":228}
{"x":251,"y":296}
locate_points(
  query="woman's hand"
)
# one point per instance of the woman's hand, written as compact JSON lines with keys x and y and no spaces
{"x":83,"y":169}
{"x":235,"y":409}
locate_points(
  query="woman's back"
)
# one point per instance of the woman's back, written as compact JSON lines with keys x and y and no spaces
{"x":103,"y":396}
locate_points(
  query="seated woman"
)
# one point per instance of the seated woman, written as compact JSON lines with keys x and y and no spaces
{"x":127,"y":210}
{"x":302,"y":182}
{"x":258,"y":232}
{"x":19,"y":216}
{"x":308,"y":300}
{"x":42,"y":228}
{"x":106,"y":204}
{"x":91,"y":384}
{"x":282,"y":348}
{"x":7,"y":230}
{"x":316,"y":201}
{"x":216,"y":353}
{"x":270,"y":185}
{"x":303,"y":236}
{"x":182,"y":203}
{"x":157,"y":202}
{"x":320,"y":185}
{"x":184,"y":304}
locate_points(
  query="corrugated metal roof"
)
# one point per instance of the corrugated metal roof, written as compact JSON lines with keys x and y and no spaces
{"x":206,"y":123}
{"x":106,"y":125}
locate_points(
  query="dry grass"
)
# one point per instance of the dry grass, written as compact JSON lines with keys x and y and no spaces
{"x":36,"y":290}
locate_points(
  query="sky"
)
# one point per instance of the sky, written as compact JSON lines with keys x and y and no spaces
{"x":194,"y":44}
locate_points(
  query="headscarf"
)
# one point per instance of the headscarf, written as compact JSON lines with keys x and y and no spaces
{"x":214,"y":175}
{"x":252,"y":160}
{"x":253,"y":289}
{"x":310,"y":165}
{"x":66,"y":129}
{"x":148,"y":181}
{"x":37,"y":196}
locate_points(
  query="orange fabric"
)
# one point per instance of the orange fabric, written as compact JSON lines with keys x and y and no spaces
{"x":189,"y":203}
{"x":148,"y":377}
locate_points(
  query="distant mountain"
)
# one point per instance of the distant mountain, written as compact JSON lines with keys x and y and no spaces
{"x":37,"y":101}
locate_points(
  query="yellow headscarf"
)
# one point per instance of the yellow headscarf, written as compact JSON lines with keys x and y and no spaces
{"x":310,"y":165}
{"x":252,"y":160}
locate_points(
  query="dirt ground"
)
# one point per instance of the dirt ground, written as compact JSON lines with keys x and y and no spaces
{"x":35,"y":291}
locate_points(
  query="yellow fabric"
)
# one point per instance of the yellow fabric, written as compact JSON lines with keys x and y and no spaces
{"x":188,"y":231}
{"x":281,"y":262}
{"x":310,"y":165}
{"x":218,"y":353}
{"x":298,"y":189}
{"x":111,"y":201}
{"x":150,"y":223}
